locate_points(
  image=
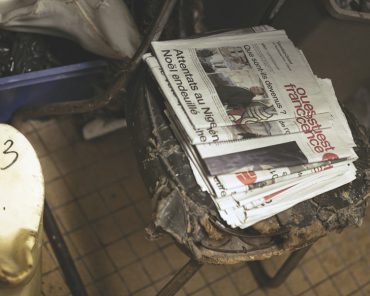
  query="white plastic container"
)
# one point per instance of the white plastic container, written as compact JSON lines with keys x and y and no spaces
{"x":21,"y":207}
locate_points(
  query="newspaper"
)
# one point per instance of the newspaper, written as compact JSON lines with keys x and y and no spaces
{"x":248,"y":78}
{"x":253,"y":178}
{"x":230,"y":184}
{"x":239,"y":217}
{"x":312,"y":146}
{"x":241,"y":129}
{"x":261,"y":131}
{"x":258,"y":196}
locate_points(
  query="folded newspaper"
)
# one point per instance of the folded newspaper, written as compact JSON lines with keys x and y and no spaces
{"x":261,"y":131}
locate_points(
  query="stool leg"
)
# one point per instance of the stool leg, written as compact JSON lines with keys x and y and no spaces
{"x":71,"y":275}
{"x":266,"y":281}
{"x":180,"y":278}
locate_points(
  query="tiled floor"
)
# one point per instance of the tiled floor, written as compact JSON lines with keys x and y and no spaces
{"x":102,"y":207}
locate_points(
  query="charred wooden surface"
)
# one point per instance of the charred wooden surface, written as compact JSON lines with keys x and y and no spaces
{"x":182,"y":210}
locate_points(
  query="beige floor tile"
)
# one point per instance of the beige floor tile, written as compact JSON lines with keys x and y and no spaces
{"x":71,"y":247}
{"x":98,"y":264}
{"x":257,"y":292}
{"x":160,"y":284}
{"x":112,"y":285}
{"x":106,"y":171}
{"x":93,"y":207}
{"x":82,"y":181}
{"x":196,"y":283}
{"x":128,"y":220}
{"x":314,"y":271}
{"x":344,"y":282}
{"x":150,"y":291}
{"x":83,"y":272}
{"x":175,"y":257}
{"x":181,"y":293}
{"x":366,"y":289}
{"x":121,"y":253}
{"x":345,"y":249}
{"x":135,"y":277}
{"x":47,"y":259}
{"x":309,"y":293}
{"x":92,"y":290}
{"x":364,"y":247}
{"x":115,"y":197}
{"x":331,"y":261}
{"x":106,"y":230}
{"x":25,"y":126}
{"x":113,"y":142}
{"x":84,"y":240}
{"x":49,"y":169}
{"x":279,"y":291}
{"x":296,"y":282}
{"x":136,"y":188}
{"x":322,"y":244}
{"x":203,"y":292}
{"x":53,"y":137}
{"x":213,"y":272}
{"x":244,"y":280}
{"x":67,"y":160}
{"x":157,"y":266}
{"x":311,"y":253}
{"x":57,"y":193}
{"x":141,"y":245}
{"x":40,"y":124}
{"x":86,"y":152}
{"x":224,"y":287}
{"x":164,"y":241}
{"x":360,"y":271}
{"x":53,"y":284}
{"x":71,"y":131}
{"x":37,"y":144}
{"x":326,"y":289}
{"x":145,"y":211}
{"x":70,"y":216}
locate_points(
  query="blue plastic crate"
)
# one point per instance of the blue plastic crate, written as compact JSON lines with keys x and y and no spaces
{"x":67,"y":83}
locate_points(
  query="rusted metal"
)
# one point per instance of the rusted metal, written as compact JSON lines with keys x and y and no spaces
{"x":180,"y":278}
{"x":266,"y":281}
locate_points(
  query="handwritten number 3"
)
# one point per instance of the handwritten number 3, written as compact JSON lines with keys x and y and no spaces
{"x":8,"y":151}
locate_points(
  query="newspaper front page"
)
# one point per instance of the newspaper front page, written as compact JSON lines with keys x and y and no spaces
{"x":261,"y":131}
{"x":240,"y":131}
{"x":228,"y":80}
{"x":314,"y":145}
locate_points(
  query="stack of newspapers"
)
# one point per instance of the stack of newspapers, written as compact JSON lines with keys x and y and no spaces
{"x":261,"y":131}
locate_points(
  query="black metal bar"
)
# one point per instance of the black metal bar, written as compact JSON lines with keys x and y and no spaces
{"x":264,"y":280}
{"x":83,"y":106}
{"x":180,"y":278}
{"x":271,"y":11}
{"x":71,"y":275}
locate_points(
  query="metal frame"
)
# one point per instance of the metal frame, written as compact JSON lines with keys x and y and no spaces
{"x":263,"y":279}
{"x":180,"y":278}
{"x":70,"y":272}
